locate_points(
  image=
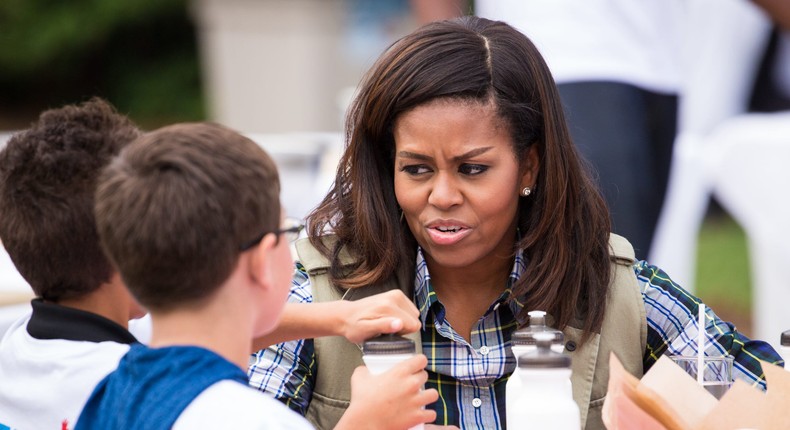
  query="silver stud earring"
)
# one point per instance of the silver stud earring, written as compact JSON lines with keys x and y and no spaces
{"x":526,"y":192}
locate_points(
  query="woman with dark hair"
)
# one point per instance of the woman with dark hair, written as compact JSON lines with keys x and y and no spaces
{"x":461,"y":187}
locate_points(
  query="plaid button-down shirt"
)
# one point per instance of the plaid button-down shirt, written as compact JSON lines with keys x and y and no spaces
{"x":470,"y":376}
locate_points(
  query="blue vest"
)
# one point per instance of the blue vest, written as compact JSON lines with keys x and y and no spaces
{"x":152,"y":387}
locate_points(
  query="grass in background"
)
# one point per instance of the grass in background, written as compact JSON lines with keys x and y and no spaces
{"x":723,"y":276}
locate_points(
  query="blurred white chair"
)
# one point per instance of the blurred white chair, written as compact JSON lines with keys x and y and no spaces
{"x":740,"y":158}
{"x":749,"y":173}
{"x":725,"y":39}
{"x":306,"y":163}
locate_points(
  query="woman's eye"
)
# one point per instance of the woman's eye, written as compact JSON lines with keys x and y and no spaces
{"x":472,"y":169}
{"x":416,"y":169}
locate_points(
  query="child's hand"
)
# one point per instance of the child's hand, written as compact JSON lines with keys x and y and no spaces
{"x":389,"y":312}
{"x":393,"y":400}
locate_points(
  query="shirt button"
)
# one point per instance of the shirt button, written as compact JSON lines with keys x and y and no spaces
{"x":477,"y":402}
{"x":484,"y":350}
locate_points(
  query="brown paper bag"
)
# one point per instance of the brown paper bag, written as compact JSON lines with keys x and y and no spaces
{"x":629,"y":391}
{"x":741,"y":407}
{"x":682,"y":394}
{"x":745,"y":407}
{"x":775,"y":415}
{"x":669,"y":398}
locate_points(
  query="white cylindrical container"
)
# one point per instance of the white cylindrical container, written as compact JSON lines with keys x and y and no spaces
{"x":383,"y":352}
{"x":544,"y":401}
{"x":784,"y":350}
{"x":523,"y":341}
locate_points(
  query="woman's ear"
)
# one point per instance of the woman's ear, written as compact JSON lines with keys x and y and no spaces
{"x":530,"y":166}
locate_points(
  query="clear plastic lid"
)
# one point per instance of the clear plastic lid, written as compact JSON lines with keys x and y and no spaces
{"x":543,"y":357}
{"x":537,"y":324}
{"x":388,"y":344}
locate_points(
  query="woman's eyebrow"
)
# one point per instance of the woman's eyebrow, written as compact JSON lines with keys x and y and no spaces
{"x":407,"y":154}
{"x":473,"y":153}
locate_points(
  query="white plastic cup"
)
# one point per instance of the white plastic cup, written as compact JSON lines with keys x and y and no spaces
{"x":717,"y":376}
{"x":383,"y":352}
{"x":378,"y":364}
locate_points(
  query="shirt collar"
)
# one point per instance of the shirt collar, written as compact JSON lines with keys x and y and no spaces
{"x":425,"y":296}
{"x":51,"y":321}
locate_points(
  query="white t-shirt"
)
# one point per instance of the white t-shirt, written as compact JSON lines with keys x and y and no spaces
{"x":231,"y":405}
{"x":141,"y":329}
{"x":46,"y":382}
{"x":635,"y":42}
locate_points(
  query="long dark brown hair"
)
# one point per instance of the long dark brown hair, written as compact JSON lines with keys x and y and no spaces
{"x":564,"y":225}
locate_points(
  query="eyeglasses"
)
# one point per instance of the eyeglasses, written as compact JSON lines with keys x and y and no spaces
{"x":292,"y":228}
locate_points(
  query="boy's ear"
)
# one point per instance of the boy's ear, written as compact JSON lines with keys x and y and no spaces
{"x":258,"y":263}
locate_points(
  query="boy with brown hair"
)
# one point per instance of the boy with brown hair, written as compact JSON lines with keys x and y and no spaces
{"x":190,"y":215}
{"x":50,"y":360}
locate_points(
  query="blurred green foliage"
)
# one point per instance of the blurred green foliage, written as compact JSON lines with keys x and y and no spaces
{"x":139,"y":54}
{"x":723,"y":269}
{"x":723,"y":276}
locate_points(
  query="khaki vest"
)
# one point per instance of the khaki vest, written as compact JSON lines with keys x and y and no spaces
{"x":624,"y":332}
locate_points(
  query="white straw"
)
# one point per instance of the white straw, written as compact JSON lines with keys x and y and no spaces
{"x":701,"y":344}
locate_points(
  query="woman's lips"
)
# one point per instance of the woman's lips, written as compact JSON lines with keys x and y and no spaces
{"x":447,"y":234}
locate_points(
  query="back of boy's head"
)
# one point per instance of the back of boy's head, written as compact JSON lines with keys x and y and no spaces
{"x":48,"y":177}
{"x":174,"y":207}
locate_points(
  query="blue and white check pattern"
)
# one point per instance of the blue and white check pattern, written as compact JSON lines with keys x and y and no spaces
{"x":672,"y":328}
{"x":471,"y":376}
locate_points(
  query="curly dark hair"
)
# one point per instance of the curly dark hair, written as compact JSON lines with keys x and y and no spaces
{"x":48,"y":176}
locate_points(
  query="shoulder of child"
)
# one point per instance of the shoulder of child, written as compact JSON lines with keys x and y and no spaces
{"x":229,"y":404}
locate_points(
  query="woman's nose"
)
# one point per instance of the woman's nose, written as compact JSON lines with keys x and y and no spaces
{"x":445,"y":192}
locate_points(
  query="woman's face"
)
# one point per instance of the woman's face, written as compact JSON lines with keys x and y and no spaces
{"x":457,"y":181}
